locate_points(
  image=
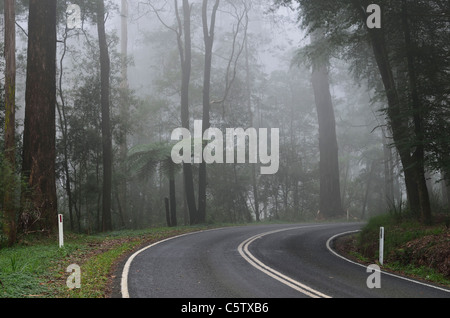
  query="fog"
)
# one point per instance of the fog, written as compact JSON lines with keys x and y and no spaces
{"x":323,"y":92}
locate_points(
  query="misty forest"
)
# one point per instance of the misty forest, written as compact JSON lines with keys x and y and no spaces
{"x":92,"y":91}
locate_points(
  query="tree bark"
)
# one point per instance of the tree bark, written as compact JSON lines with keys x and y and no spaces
{"x":398,"y":125}
{"x":64,"y":126}
{"x":172,"y":196}
{"x":445,"y":184}
{"x":39,"y":127}
{"x":106,"y":123}
{"x":208,"y":36}
{"x":124,"y":109}
{"x":419,"y":153}
{"x":168,"y":216}
{"x":388,"y":172}
{"x":185,"y":51}
{"x":412,"y":164}
{"x":10,"y":120}
{"x":368,"y":187}
{"x":330,"y":204}
{"x":248,"y":93}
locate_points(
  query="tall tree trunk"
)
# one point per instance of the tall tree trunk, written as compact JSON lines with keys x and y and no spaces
{"x":208,"y":36}
{"x":185,"y":51}
{"x":388,"y":172}
{"x":172,"y":196}
{"x":63,"y":126}
{"x":330,"y":204}
{"x":248,"y":96}
{"x":445,"y":186}
{"x":39,"y":127}
{"x":400,"y":131}
{"x":10,"y":121}
{"x":345,"y":182}
{"x":419,"y":153}
{"x":366,"y":195}
{"x":123,"y":194}
{"x":106,"y":124}
{"x":168,"y":216}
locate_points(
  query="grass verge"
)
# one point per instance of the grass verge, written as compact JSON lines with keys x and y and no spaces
{"x":36,"y":268}
{"x":410,"y":248}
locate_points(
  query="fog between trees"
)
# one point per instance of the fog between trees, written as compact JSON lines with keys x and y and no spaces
{"x":162,"y":65}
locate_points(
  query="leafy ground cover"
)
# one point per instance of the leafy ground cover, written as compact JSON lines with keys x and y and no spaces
{"x":410,"y":248}
{"x":36,"y":267}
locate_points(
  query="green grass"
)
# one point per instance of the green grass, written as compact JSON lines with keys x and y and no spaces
{"x":95,"y":273}
{"x":396,"y":233}
{"x":22,"y":270}
{"x":36,"y":268}
{"x":398,"y":256}
{"x":420,"y":272}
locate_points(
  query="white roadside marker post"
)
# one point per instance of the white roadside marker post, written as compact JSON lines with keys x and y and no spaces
{"x":60,"y":226}
{"x":381,"y":245}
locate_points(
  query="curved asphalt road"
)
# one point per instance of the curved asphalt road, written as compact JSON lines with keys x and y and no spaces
{"x":269,"y":261}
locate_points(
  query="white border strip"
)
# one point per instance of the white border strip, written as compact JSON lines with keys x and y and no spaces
{"x":384,"y":272}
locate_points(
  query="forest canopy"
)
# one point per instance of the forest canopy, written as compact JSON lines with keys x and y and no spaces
{"x":92,"y":91}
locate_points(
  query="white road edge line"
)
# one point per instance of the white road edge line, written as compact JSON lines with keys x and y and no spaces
{"x":126,"y":269}
{"x":252,"y":260}
{"x":384,"y":272}
{"x":267,"y":270}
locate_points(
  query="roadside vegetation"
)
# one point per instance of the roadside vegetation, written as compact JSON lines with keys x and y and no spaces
{"x":410,"y":247}
{"x":36,"y":267}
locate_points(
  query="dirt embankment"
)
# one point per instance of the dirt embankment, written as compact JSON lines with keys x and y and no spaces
{"x":432,"y":251}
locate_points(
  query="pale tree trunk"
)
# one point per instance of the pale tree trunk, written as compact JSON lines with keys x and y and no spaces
{"x":64,"y":126}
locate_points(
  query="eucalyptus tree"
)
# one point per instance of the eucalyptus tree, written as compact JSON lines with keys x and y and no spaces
{"x":39,"y":136}
{"x":182,"y":31}
{"x":9,"y":223}
{"x":125,"y":108}
{"x":401,"y":64}
{"x":105,"y":72}
{"x":80,"y":149}
{"x":330,"y":190}
{"x":208,"y":36}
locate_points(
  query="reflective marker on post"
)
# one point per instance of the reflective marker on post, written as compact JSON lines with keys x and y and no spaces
{"x":60,"y":226}
{"x":381,"y":245}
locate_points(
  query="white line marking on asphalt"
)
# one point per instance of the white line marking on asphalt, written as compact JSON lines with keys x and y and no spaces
{"x":126,"y":268}
{"x":386,"y":273}
{"x":250,"y":258}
